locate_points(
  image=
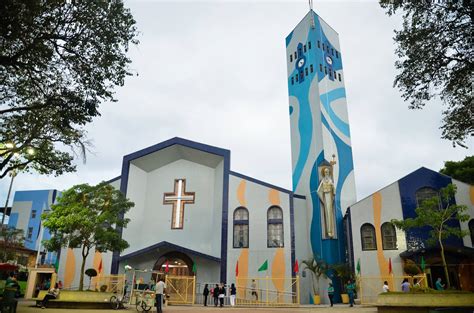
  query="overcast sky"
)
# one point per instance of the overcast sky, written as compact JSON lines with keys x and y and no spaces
{"x":214,"y":72}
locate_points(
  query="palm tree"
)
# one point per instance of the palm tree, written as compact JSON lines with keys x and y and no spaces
{"x":317,"y":267}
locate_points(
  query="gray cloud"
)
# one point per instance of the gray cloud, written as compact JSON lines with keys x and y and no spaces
{"x":215,"y":72}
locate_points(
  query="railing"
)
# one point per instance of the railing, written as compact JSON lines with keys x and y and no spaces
{"x":267,"y":291}
{"x":371,"y":286}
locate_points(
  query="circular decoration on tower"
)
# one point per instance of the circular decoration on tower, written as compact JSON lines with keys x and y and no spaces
{"x":328,"y":60}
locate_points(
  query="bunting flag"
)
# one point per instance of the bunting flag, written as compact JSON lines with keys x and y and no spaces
{"x":167,"y":268}
{"x":237,"y":269}
{"x":296,"y":267}
{"x":194,"y":268}
{"x":100,"y":267}
{"x":358,"y":267}
{"x":264,"y":266}
{"x":423,"y":264}
{"x":390,"y":265}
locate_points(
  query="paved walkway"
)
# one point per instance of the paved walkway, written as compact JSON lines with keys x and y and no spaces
{"x":28,"y":307}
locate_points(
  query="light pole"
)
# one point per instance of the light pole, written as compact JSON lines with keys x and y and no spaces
{"x":12,"y":174}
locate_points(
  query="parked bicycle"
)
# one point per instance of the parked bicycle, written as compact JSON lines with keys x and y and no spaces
{"x":145,"y":301}
{"x":118,"y":302}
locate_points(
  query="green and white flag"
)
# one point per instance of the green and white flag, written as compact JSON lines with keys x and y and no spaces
{"x":264,"y":266}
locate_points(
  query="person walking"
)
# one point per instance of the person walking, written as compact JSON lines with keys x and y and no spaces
{"x":205,"y":293}
{"x":330,"y":293}
{"x":233,"y":292}
{"x":221,"y":295}
{"x":253,"y":288}
{"x":385,"y":287}
{"x":53,"y":293}
{"x":350,"y":291}
{"x":405,"y":285}
{"x":215,"y":295}
{"x":160,"y":289}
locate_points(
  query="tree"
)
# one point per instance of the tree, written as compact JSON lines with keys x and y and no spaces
{"x":10,"y":240}
{"x":462,"y":170}
{"x":58,"y":61}
{"x":436,"y":59}
{"x":86,"y":217}
{"x":91,"y":272}
{"x":437,"y":216}
{"x":318,"y":268}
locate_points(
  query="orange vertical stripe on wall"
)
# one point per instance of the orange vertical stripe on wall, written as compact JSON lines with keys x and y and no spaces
{"x":274,"y":197}
{"x":382,"y":261}
{"x":471,"y":194}
{"x":241,"y":193}
{"x":96,"y":263}
{"x":278,"y":271}
{"x":242,"y":280}
{"x":70,"y":269}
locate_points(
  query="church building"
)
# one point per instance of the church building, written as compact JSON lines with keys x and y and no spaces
{"x":195,"y":215}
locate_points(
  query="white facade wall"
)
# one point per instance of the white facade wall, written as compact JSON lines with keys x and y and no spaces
{"x":256,"y":200}
{"x":465,"y":196}
{"x":151,"y":219}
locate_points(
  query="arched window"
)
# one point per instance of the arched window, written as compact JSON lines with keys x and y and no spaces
{"x":471,"y":230}
{"x":426,"y":193}
{"x":275,"y":227}
{"x":367,"y":235}
{"x":389,"y":236}
{"x":241,"y":228}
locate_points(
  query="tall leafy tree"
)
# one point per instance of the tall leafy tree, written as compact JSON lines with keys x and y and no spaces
{"x":58,"y":61}
{"x":436,"y":213}
{"x":462,"y":170}
{"x":10,"y":240}
{"x":436,"y":59}
{"x":86,"y":217}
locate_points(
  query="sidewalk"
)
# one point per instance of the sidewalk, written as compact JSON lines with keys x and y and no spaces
{"x":28,"y":307}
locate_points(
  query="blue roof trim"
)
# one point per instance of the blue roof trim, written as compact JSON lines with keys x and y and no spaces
{"x":112,"y":180}
{"x":166,"y":244}
{"x":260,"y":182}
{"x":176,"y":141}
{"x":194,"y":145}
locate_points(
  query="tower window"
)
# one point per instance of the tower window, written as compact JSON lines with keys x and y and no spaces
{"x":301,"y":75}
{"x":304,"y":48}
{"x":296,"y":56}
{"x":332,"y":51}
{"x":291,"y":58}
{"x":33,"y":213}
{"x":339,"y":75}
{"x":311,"y":68}
{"x":320,"y":67}
{"x":325,"y":70}
{"x":296,"y":77}
{"x":309,"y":44}
{"x":299,"y":52}
{"x":30,"y":233}
{"x":324,"y":47}
{"x":319,"y":44}
{"x":306,"y":71}
{"x":292,"y":80}
{"x":337,"y":54}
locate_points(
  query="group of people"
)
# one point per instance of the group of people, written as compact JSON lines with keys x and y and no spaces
{"x":406,"y":286}
{"x":218,"y":293}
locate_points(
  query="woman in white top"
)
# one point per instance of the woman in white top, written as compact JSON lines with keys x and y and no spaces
{"x":385,"y":287}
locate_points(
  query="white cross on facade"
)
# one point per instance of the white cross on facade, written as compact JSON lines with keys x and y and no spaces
{"x":178,"y":199}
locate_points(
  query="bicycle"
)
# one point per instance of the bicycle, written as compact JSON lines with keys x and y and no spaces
{"x":145,"y":301}
{"x":118,"y":303}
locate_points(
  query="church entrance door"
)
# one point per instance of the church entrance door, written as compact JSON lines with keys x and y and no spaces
{"x":175,"y":263}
